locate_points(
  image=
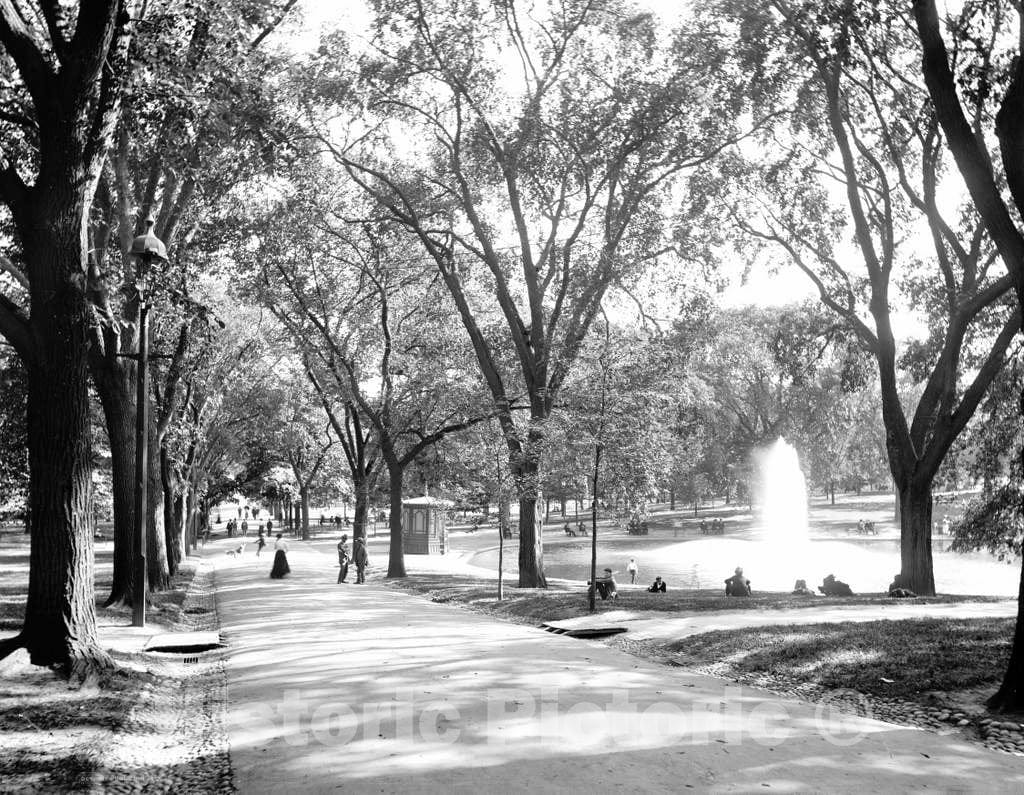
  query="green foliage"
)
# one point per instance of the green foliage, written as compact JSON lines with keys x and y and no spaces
{"x":994,"y":520}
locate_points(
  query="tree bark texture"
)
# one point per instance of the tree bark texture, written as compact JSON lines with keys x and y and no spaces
{"x":157,"y":569}
{"x":362,"y":509}
{"x":60,"y":616}
{"x":118,"y":404}
{"x":531,"y":523}
{"x":304,"y":497}
{"x":916,"y":536}
{"x":396,"y":554}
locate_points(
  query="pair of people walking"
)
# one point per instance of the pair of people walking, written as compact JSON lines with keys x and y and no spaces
{"x":359,"y":557}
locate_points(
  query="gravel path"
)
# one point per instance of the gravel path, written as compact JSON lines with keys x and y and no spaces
{"x":173,"y":739}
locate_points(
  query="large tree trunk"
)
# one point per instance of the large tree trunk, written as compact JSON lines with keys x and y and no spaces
{"x":116,"y":389}
{"x":915,"y":498}
{"x":157,"y":570}
{"x":531,"y":542}
{"x":60,"y":616}
{"x":396,"y":555}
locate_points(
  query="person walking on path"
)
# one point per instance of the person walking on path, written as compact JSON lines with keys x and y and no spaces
{"x":343,"y":559}
{"x":245,"y":527}
{"x":281,"y":566}
{"x":260,"y":543}
{"x":633,"y":570}
{"x":360,"y":558}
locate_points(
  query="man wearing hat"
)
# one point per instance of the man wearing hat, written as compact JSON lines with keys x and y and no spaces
{"x":606,"y":585}
{"x":658,"y":586}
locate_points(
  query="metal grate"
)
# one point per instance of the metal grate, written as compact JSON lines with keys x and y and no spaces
{"x":190,"y":660}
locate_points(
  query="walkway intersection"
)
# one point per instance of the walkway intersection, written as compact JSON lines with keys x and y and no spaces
{"x":366,"y":688}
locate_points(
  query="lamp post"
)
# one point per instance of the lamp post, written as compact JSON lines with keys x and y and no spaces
{"x":147,"y":249}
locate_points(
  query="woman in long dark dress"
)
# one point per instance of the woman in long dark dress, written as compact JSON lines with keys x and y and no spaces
{"x":281,"y":567}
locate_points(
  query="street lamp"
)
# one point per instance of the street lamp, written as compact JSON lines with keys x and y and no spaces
{"x":147,"y":249}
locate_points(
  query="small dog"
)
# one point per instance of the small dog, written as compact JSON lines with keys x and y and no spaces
{"x":236,"y":551}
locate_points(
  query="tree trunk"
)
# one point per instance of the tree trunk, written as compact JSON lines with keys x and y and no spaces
{"x":304,"y":498}
{"x":172,"y":535}
{"x":832,"y":491}
{"x":116,"y":391}
{"x":1010,"y":695}
{"x":60,"y":614}
{"x":361,"y":510}
{"x":915,"y":499}
{"x":157,"y":569}
{"x":672,"y":499}
{"x":192,"y":528}
{"x":396,"y":556}
{"x":531,"y":542}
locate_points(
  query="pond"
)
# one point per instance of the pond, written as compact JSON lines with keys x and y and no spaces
{"x":867,"y":564}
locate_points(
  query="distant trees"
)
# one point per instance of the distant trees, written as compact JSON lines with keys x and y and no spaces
{"x":373,"y":334}
{"x":535,"y":196}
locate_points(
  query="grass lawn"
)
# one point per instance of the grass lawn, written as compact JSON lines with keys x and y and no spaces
{"x":915,"y":655}
{"x":556,"y":603}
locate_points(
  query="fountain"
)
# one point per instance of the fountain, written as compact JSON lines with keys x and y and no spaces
{"x":783,"y":541}
{"x":774,"y":546}
{"x":782,"y":493}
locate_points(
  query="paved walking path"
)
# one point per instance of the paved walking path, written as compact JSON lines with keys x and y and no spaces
{"x":364,"y":688}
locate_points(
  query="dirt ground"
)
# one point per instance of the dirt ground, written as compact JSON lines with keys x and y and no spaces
{"x":55,"y":733}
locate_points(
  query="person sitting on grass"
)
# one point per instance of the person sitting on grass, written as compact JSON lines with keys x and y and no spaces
{"x":658,"y":586}
{"x":898,"y":589}
{"x":606,"y":587}
{"x":737,"y":585}
{"x":801,"y":589}
{"x":830,"y":586}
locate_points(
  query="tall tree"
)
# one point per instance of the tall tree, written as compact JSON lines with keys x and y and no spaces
{"x":977,"y":90}
{"x":861,"y":125}
{"x":64,"y":67}
{"x":533,"y":190}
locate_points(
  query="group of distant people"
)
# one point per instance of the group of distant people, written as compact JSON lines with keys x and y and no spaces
{"x":739,"y":585}
{"x":234,"y":526}
{"x":716,"y":528}
{"x":607,"y":588}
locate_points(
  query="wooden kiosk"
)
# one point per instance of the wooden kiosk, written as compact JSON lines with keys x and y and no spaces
{"x":424,"y":526}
